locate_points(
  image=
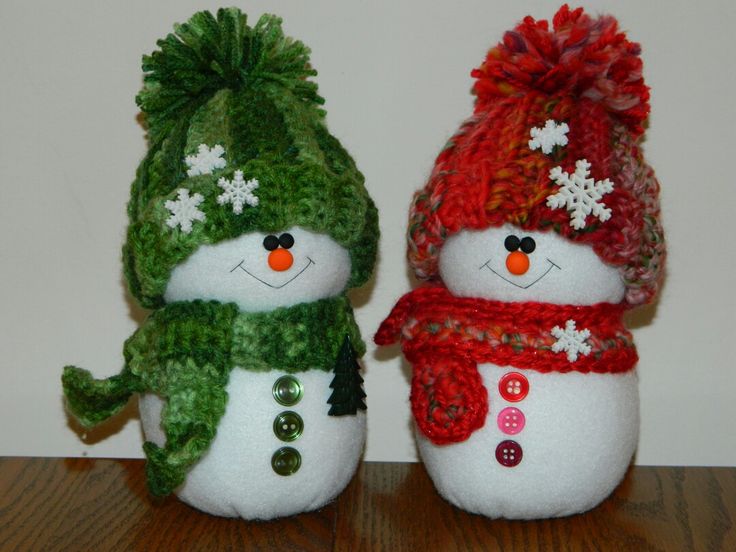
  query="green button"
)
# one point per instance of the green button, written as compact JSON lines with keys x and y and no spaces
{"x":286,"y":461}
{"x":287,"y":390}
{"x":288,"y":426}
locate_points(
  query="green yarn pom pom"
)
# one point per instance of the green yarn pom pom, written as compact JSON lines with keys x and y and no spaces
{"x":208,"y":54}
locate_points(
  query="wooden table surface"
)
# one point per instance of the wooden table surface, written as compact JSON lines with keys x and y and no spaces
{"x":53,"y":504}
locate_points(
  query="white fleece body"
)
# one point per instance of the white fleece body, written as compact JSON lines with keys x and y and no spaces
{"x":580,"y":434}
{"x":235,"y":479}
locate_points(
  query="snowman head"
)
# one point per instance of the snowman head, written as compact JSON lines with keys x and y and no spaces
{"x":543,"y":194}
{"x":262,"y":271}
{"x":305,"y":235}
{"x":244,"y":195}
{"x":511,"y":264}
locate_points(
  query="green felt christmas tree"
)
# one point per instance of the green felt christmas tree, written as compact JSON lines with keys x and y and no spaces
{"x":347,"y":385}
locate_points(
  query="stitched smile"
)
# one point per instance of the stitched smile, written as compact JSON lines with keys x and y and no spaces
{"x":310,"y":262}
{"x":551,"y":266}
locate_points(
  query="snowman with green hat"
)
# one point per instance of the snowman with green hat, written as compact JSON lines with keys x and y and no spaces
{"x":248,"y":223}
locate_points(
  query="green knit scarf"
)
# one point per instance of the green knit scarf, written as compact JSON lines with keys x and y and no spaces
{"x":185,"y":352}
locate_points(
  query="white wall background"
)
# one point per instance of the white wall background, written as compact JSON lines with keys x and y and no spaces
{"x":396,"y":78}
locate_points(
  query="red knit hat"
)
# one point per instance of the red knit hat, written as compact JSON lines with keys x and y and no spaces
{"x":577,"y":91}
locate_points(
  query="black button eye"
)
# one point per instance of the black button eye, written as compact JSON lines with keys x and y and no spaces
{"x":511,"y":243}
{"x":286,"y":240}
{"x":270,"y":242}
{"x":528,"y":245}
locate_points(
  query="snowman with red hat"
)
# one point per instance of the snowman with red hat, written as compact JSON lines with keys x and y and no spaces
{"x":537,"y":230}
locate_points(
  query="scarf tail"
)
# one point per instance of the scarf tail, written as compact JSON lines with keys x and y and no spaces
{"x":92,"y":401}
{"x":448,"y":398}
{"x":190,"y":429}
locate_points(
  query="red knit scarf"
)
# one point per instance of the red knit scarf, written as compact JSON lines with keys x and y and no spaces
{"x":445,"y":337}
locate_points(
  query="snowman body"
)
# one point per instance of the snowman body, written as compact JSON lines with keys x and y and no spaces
{"x":276,"y":452}
{"x":315,"y":454}
{"x":553,"y":443}
{"x":573,"y":440}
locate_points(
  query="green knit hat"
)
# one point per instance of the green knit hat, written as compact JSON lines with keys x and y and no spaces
{"x":237,"y":144}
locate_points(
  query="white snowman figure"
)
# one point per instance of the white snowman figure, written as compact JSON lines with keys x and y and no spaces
{"x":537,"y":230}
{"x":248,"y":223}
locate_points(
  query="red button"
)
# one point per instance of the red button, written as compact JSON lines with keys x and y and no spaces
{"x":511,"y":420}
{"x":508,"y":453}
{"x":513,"y":387}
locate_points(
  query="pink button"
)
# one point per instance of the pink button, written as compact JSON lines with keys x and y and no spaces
{"x":511,"y":420}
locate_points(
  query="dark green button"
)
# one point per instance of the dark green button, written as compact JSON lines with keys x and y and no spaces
{"x":287,"y":390}
{"x":288,"y":426}
{"x":286,"y":461}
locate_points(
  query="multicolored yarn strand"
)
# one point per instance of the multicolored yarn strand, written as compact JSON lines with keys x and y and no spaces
{"x":584,"y":73}
{"x":445,"y":337}
{"x":185,"y":352}
{"x":218,"y":81}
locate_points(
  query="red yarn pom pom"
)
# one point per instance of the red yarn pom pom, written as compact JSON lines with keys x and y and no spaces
{"x":582,"y":57}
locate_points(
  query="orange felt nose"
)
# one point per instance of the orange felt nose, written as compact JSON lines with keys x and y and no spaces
{"x":517,"y":263}
{"x":280,"y":259}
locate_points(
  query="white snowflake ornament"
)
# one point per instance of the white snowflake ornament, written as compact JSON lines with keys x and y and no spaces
{"x":548,"y":136}
{"x":580,"y":194}
{"x":206,"y":161}
{"x":238,"y":191}
{"x":184,"y":210}
{"x":571,"y":341}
